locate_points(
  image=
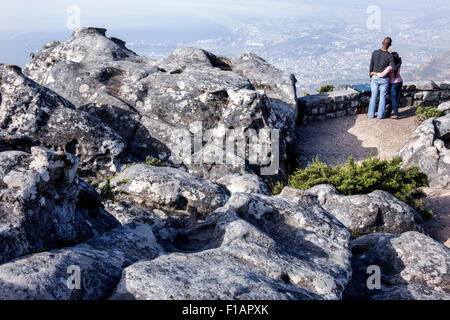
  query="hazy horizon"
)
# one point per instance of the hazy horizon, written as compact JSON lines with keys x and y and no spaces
{"x":302,"y":37}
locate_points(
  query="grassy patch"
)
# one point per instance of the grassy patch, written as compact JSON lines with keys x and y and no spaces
{"x":149,"y":161}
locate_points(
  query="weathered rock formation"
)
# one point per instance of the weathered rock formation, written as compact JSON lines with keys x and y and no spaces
{"x":444,"y":108}
{"x":38,"y":208}
{"x":429,"y":148}
{"x":146,"y":101}
{"x":99,"y":262}
{"x":378,"y":211}
{"x":413,"y":267}
{"x":256,"y":247}
{"x":203,"y":228}
{"x":34,"y":115}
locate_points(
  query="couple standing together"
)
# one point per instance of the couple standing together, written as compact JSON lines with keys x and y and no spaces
{"x":385,"y":77}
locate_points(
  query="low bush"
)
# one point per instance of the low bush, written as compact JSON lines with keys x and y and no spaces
{"x":424,"y":113}
{"x":362,"y":178}
{"x":326,"y":88}
{"x":108,"y":190}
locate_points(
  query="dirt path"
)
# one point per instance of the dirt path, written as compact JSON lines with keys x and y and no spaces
{"x":334,"y":140}
{"x":337,"y":139}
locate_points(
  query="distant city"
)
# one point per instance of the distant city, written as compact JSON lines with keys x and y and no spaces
{"x":337,"y":53}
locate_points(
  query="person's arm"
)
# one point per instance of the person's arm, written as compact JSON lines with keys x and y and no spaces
{"x":392,"y":64}
{"x":371,"y":66}
{"x":385,"y":72}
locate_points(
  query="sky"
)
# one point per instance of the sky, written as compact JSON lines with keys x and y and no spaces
{"x":26,"y":15}
{"x":26,"y":25}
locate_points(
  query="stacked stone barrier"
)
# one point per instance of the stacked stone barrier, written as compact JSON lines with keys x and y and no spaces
{"x":348,"y":101}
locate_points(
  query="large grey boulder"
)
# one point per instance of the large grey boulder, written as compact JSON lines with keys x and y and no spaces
{"x":40,"y":207}
{"x":256,"y":247}
{"x":51,"y":275}
{"x":147,"y":101}
{"x":31,"y":112}
{"x":428,"y":148}
{"x":169,"y":189}
{"x":168,"y":199}
{"x":413,"y":267}
{"x":378,"y":211}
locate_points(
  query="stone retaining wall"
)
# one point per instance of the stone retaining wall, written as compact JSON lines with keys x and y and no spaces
{"x":350,"y":102}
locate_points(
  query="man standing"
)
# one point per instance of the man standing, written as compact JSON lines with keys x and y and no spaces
{"x":381,"y":59}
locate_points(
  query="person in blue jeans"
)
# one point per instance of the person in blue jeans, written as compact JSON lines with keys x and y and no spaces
{"x":381,"y":85}
{"x":395,"y":90}
{"x":381,"y":59}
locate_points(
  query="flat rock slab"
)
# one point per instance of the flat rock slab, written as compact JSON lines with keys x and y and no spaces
{"x":378,"y":211}
{"x":413,"y":267}
{"x":170,"y":189}
{"x":100,"y":261}
{"x":335,"y":140}
{"x":256,"y":247}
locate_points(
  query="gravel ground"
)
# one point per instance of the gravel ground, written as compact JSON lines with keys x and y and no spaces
{"x":334,"y":140}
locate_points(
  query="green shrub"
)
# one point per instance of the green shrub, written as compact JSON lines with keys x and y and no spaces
{"x":326,"y":88}
{"x":276,"y":187}
{"x":424,"y":113}
{"x":108,"y":191}
{"x":362,"y":178}
{"x":305,"y":94}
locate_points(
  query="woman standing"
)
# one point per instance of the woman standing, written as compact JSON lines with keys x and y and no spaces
{"x":395,"y":84}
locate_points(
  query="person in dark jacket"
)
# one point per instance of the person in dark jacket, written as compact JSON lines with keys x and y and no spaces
{"x":381,"y":59}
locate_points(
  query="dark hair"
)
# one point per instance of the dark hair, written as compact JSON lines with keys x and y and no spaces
{"x":397,"y":61}
{"x":387,"y":42}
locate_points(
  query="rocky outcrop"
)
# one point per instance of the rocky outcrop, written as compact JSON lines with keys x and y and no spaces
{"x":169,"y":189}
{"x":413,"y":267}
{"x":52,"y":275}
{"x":38,"y":203}
{"x":168,"y":199}
{"x":256,"y":247}
{"x":147,"y":102}
{"x":248,"y":183}
{"x":444,"y":108}
{"x":34,"y":115}
{"x":378,"y":211}
{"x":429,"y":148}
